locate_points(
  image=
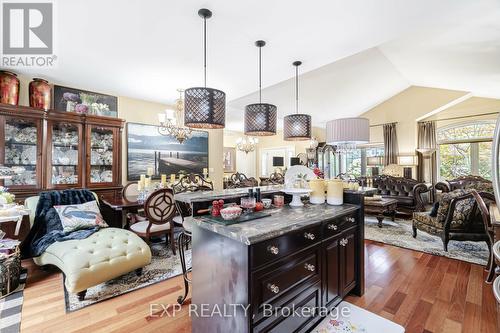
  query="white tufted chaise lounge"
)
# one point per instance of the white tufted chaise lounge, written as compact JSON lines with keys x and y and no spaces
{"x":106,"y":254}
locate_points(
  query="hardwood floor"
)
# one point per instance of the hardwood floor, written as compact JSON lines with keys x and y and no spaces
{"x":422,"y":292}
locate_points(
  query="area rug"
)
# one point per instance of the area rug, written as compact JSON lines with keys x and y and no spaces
{"x":11,"y":307}
{"x":164,"y":265}
{"x":399,"y":233}
{"x":349,"y":318}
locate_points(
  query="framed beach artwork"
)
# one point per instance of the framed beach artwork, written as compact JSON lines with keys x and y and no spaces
{"x":147,"y":148}
{"x":229,"y":159}
{"x":82,"y":101}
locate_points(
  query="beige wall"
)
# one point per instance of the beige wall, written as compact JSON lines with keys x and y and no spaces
{"x":405,"y":108}
{"x":140,"y":111}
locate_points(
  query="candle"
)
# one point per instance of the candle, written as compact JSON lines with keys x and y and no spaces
{"x":172,"y":178}
{"x":149,"y":171}
{"x":317,"y":195}
{"x":139,"y":186}
{"x":205,"y":171}
{"x":142,"y":178}
{"x":163,"y":179}
{"x":147,"y":182}
{"x":335,"y":192}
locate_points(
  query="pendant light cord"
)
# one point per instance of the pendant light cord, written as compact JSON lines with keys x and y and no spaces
{"x":205,"y":51}
{"x":296,"y":89}
{"x":260,"y":75}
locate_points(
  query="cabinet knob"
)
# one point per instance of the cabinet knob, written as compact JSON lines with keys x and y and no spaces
{"x":332,"y":227}
{"x":309,"y":236}
{"x":273,"y":288}
{"x":344,"y":241}
{"x":350,"y":219}
{"x":309,"y":267}
{"x":273,"y":249}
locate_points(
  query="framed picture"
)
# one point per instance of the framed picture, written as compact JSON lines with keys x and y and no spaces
{"x":147,"y":148}
{"x":229,"y":161}
{"x":82,"y":101}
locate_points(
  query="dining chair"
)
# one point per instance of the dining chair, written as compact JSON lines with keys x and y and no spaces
{"x":485,"y":215}
{"x":159,"y":210}
{"x":130,"y":191}
{"x":189,"y":183}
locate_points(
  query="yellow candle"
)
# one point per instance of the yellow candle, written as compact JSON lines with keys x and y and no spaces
{"x":139,"y":186}
{"x":205,"y":171}
{"x":149,"y":171}
{"x":142,"y":178}
{"x":172,"y":178}
{"x":335,"y":192}
{"x":147,"y":182}
{"x":163,"y":179}
{"x":317,"y":195}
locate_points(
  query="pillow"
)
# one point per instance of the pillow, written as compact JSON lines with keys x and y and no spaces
{"x":434,"y":211}
{"x":82,"y":216}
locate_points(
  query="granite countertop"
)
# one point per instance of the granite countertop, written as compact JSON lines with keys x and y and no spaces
{"x":189,"y":197}
{"x":281,"y":221}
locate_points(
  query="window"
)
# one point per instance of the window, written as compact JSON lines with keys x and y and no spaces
{"x":355,"y":162}
{"x":465,"y":149}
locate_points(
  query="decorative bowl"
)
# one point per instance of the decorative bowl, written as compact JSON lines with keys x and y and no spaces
{"x":230,"y":213}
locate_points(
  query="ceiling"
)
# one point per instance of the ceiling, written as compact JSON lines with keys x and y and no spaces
{"x":355,"y":53}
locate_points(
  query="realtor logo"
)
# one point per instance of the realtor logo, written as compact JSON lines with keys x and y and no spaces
{"x":27,"y":28}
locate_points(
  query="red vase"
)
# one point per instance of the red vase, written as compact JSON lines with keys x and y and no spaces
{"x":9,"y":88}
{"x":39,"y":94}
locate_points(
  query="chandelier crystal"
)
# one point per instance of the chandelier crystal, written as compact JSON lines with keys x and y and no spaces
{"x":247,"y":144}
{"x":169,"y":119}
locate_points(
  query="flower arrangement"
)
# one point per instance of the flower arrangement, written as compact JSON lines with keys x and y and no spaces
{"x":5,"y":196}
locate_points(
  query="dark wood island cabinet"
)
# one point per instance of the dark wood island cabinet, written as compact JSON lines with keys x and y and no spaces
{"x":280,"y":273}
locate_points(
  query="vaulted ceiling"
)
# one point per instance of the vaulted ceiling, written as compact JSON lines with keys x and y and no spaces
{"x":355,"y":53}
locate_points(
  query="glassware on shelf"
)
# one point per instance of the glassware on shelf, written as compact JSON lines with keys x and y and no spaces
{"x":101,"y":155}
{"x":20,"y":140}
{"x":65,"y":154}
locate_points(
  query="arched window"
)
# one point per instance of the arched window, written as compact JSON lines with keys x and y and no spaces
{"x":465,"y":149}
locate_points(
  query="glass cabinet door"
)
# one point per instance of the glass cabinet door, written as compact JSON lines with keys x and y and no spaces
{"x":65,"y":151}
{"x":21,"y":152}
{"x":101,"y":155}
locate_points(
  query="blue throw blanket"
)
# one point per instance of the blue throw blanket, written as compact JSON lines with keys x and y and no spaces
{"x":47,"y":227}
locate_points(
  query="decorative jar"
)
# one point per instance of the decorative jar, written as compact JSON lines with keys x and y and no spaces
{"x":9,"y":88}
{"x":39,"y":94}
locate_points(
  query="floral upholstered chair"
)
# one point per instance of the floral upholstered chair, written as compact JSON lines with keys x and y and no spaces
{"x":454,"y":217}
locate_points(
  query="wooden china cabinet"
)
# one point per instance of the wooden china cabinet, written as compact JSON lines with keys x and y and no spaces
{"x":60,"y":150}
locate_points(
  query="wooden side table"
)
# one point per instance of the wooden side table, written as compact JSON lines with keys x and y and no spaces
{"x":381,"y":208}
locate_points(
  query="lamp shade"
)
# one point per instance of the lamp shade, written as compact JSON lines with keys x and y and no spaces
{"x":297,"y":127}
{"x":375,"y":161}
{"x":348,"y":130}
{"x":204,"y":108}
{"x":407,"y":160}
{"x":260,"y":119}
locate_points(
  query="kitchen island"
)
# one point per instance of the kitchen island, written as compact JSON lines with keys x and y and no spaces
{"x":280,"y":273}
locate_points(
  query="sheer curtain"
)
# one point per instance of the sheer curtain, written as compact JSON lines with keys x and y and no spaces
{"x":427,"y":146}
{"x":390,"y":144}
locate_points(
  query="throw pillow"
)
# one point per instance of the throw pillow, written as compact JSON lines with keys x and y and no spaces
{"x":82,"y":216}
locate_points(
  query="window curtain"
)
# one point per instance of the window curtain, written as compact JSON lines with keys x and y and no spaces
{"x":390,"y":144}
{"x":427,"y":146}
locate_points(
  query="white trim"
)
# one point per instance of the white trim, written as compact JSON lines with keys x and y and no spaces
{"x":446,"y":106}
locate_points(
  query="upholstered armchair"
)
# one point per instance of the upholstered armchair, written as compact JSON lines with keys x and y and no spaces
{"x":408,"y":192}
{"x":456,"y":218}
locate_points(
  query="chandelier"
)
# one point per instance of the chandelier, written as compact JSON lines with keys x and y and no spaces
{"x":168,"y":121}
{"x":247,"y":144}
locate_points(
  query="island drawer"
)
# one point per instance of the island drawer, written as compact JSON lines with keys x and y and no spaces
{"x":273,"y":284}
{"x":276,"y":248}
{"x":339,"y":224}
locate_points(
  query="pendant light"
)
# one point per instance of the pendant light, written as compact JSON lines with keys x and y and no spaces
{"x":204,"y":107}
{"x":260,"y":118}
{"x":297,"y":127}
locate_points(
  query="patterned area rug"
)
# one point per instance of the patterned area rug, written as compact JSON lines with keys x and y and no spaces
{"x":164,"y":265}
{"x":399,"y":233}
{"x":11,"y":306}
{"x":348,"y":318}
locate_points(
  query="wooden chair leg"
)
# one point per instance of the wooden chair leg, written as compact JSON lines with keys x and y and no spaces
{"x":172,"y":239}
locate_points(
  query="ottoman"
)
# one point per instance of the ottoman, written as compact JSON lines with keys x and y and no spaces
{"x":104,"y":255}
